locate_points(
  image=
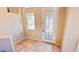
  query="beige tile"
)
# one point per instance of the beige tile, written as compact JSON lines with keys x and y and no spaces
{"x":35,"y":46}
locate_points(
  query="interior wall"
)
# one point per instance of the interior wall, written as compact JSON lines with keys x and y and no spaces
{"x":37,"y":33}
{"x":3,"y":10}
{"x":10,"y":23}
{"x":13,"y":10}
{"x":61,"y":25}
{"x":71,"y":35}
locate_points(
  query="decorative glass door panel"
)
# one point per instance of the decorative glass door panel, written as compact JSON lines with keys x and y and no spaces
{"x":49,"y":25}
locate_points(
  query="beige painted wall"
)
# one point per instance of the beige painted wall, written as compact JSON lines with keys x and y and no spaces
{"x":37,"y":33}
{"x":3,"y":10}
{"x":61,"y":25}
{"x":71,"y":35}
{"x":10,"y":23}
{"x":14,"y":10}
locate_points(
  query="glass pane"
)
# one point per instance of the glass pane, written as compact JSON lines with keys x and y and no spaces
{"x":31,"y":27}
{"x":48,"y":28}
{"x":48,"y":35}
{"x":30,"y":21}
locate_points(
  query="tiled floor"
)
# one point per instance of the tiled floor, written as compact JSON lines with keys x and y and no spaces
{"x":28,"y":45}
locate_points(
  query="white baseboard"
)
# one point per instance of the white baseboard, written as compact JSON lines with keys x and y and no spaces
{"x":38,"y":39}
{"x":19,"y":40}
{"x":25,"y":37}
{"x":19,"y":37}
{"x":44,"y":41}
